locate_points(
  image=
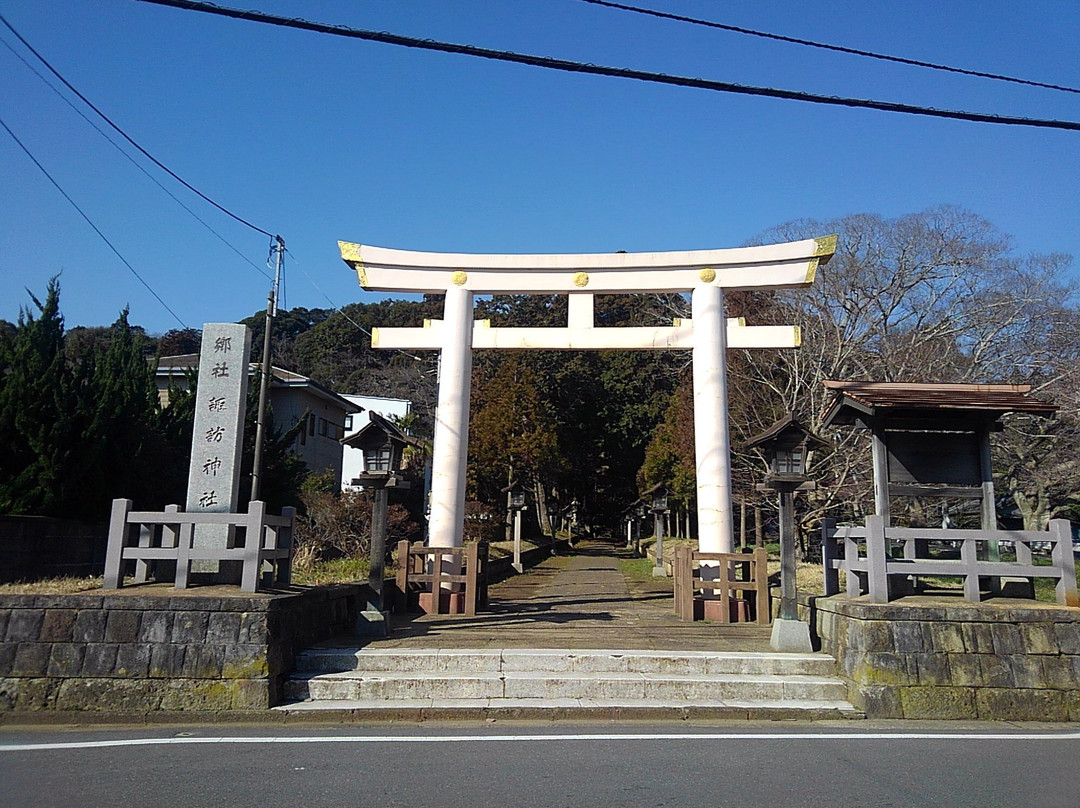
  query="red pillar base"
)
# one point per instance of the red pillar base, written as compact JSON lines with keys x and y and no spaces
{"x":713,"y":609}
{"x":449,"y":603}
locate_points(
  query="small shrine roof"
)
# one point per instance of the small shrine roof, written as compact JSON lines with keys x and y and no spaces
{"x":378,"y":423}
{"x":788,"y":424}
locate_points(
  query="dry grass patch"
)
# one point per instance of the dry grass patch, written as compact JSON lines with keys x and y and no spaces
{"x":53,"y":586}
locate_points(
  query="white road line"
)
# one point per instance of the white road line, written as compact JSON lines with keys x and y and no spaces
{"x":396,"y":739}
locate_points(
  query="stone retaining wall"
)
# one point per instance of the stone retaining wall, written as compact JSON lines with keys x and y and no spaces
{"x":150,"y":648}
{"x":998,"y":660}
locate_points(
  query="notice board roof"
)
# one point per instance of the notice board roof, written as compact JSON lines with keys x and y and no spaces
{"x":858,"y":401}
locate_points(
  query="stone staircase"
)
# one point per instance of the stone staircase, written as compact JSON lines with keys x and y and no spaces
{"x":434,"y":683}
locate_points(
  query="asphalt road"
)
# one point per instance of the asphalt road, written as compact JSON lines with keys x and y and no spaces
{"x":570,"y":765}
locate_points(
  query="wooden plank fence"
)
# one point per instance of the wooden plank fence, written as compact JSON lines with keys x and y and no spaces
{"x":862,"y":554}
{"x":439,"y":570}
{"x":162,"y":543}
{"x":729,"y":575}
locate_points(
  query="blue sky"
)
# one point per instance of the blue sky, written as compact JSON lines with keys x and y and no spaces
{"x":320,"y":138}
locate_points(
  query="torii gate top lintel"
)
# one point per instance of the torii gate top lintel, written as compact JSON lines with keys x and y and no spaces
{"x":787,"y":265}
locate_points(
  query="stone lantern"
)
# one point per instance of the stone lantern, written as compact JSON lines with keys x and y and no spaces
{"x":658,"y":497}
{"x":383,"y":445}
{"x":785,"y":446}
{"x":516,"y":504}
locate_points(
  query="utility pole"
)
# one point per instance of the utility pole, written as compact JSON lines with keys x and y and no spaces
{"x":277,"y":249}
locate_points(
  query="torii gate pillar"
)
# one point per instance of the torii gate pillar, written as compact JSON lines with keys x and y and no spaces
{"x":712,"y":439}
{"x":450,"y":454}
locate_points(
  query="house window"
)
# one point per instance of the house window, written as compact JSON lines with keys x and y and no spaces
{"x":322,"y":427}
{"x":348,"y":422}
{"x":311,"y":424}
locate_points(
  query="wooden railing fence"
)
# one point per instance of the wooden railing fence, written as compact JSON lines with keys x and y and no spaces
{"x":160,"y":542}
{"x":443,"y":569}
{"x":726,"y":575}
{"x":862,"y":553}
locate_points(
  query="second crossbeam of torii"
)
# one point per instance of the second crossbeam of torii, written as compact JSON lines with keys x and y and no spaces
{"x":703,"y":273}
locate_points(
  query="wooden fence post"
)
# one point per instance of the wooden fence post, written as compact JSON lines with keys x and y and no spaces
{"x":829,"y":556}
{"x":878,"y":583}
{"x":253,"y":540}
{"x":726,"y":573}
{"x":402,"y":576}
{"x":436,"y":579}
{"x":1062,"y":556}
{"x":114,"y":555}
{"x":761,"y":584}
{"x":680,"y":584}
{"x":472,"y":558}
{"x":483,"y":571}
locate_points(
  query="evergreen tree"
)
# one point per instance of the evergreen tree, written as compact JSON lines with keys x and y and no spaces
{"x":80,"y":421}
{"x":35,"y":409}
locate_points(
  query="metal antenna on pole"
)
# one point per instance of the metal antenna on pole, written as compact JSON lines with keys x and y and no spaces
{"x":277,"y":248}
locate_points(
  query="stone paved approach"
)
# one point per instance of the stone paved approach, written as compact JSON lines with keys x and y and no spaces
{"x":572,"y":638}
{"x":577,"y":601}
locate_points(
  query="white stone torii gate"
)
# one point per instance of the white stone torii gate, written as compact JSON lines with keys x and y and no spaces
{"x":703,"y":273}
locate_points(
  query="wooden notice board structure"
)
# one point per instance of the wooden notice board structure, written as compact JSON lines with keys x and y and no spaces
{"x":931,"y":440}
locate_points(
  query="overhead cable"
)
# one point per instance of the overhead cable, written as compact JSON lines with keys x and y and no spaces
{"x":338,"y":310}
{"x":131,"y":159}
{"x":94,"y":226}
{"x":129,"y":139}
{"x":616,"y":72}
{"x":838,"y":48}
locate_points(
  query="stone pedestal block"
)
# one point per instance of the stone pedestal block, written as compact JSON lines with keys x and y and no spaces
{"x":790,"y":637}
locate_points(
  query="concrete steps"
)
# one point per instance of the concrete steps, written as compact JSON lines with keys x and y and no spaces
{"x":557,"y":683}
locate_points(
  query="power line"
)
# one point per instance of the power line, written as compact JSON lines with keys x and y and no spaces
{"x":94,"y":226}
{"x":837,"y":48}
{"x":131,"y":159}
{"x":617,"y":72}
{"x":128,"y":138}
{"x":336,"y":308}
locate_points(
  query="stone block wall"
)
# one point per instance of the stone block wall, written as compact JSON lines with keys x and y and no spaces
{"x":998,"y":660}
{"x":150,"y":648}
